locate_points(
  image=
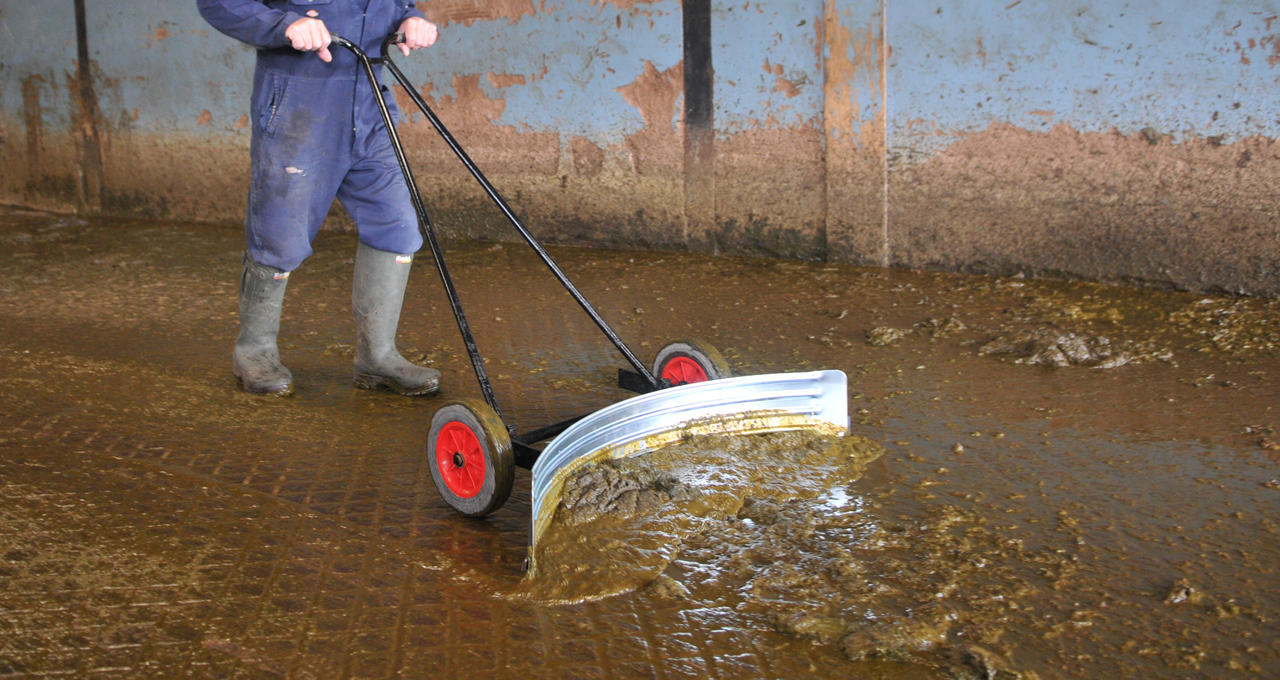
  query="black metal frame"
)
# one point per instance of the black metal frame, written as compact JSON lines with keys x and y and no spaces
{"x":641,"y":380}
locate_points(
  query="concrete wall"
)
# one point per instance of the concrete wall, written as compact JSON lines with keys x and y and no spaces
{"x":1117,"y":140}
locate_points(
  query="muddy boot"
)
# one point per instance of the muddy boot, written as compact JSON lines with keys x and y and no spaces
{"x":376,"y":296}
{"x":256,"y":360}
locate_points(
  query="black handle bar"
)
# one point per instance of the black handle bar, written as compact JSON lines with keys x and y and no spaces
{"x":428,"y":232}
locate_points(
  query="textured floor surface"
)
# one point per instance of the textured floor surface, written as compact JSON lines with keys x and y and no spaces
{"x":158,"y":522}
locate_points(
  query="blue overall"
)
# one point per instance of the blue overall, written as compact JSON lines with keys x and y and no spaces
{"x":317,"y":132}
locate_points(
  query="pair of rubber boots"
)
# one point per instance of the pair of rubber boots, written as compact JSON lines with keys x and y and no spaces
{"x":376,"y":298}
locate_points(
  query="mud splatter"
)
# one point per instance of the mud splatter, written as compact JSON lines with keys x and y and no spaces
{"x":621,"y":522}
{"x":1047,"y":347}
{"x":936,"y":590}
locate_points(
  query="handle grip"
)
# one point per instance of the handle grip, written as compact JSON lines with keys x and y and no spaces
{"x":393,"y":39}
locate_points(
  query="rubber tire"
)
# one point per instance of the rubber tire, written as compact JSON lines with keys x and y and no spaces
{"x":703,"y":354}
{"x":495,"y":453}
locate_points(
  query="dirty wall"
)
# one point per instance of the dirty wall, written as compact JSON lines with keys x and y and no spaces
{"x":1118,"y":140}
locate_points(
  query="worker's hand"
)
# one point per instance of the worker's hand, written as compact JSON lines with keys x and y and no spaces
{"x":418,"y":32}
{"x":310,"y":35}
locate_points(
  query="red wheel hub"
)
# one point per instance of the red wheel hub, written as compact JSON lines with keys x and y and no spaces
{"x":683,"y":370}
{"x":460,"y":459}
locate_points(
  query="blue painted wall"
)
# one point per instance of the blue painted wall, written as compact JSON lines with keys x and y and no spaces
{"x":1110,"y":140}
{"x":573,"y":57}
{"x":1180,"y":67}
{"x":757,"y":45}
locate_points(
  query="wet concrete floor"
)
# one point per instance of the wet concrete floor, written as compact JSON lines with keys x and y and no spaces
{"x":1077,"y":480}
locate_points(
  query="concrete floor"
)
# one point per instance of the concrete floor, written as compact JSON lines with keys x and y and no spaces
{"x":157,"y":522}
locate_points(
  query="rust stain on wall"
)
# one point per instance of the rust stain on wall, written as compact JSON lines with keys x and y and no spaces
{"x":473,"y":117}
{"x":658,"y":148}
{"x":629,"y":5}
{"x":855,"y":72}
{"x":468,"y":12}
{"x":501,"y":81}
{"x":32,"y":116}
{"x":654,"y":94}
{"x":588,"y":157}
{"x":161,"y":34}
{"x":470,"y":105}
{"x":786,"y":87}
{"x":854,"y":84}
{"x":48,"y":165}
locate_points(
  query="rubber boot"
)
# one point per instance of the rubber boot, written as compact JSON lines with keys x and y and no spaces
{"x":376,"y":298}
{"x":256,"y":360}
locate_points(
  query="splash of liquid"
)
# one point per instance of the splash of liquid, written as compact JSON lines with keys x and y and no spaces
{"x":619,"y":523}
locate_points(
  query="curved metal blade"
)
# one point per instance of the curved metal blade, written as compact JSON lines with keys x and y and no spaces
{"x":745,"y":405}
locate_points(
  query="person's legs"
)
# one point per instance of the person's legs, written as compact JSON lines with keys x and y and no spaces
{"x":375,"y":194}
{"x":294,"y":178}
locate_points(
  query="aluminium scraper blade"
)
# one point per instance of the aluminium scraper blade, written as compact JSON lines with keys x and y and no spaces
{"x":816,"y":400}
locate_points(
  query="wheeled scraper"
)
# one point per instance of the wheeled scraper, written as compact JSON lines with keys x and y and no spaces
{"x":472,"y":452}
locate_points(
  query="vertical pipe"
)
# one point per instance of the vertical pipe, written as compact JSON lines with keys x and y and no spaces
{"x":86,"y":133}
{"x":699,"y":125}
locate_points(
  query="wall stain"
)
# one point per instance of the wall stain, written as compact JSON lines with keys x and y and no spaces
{"x":588,"y":157}
{"x":629,"y":5}
{"x":786,"y":87}
{"x":474,"y":118}
{"x":658,"y":148}
{"x":468,"y":12}
{"x":501,"y":81}
{"x":855,"y":73}
{"x":1190,"y":215}
{"x":854,"y":91}
{"x":49,"y":180}
{"x":33,"y":117}
{"x":479,"y":108}
{"x":159,"y":35}
{"x":770,"y":185}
